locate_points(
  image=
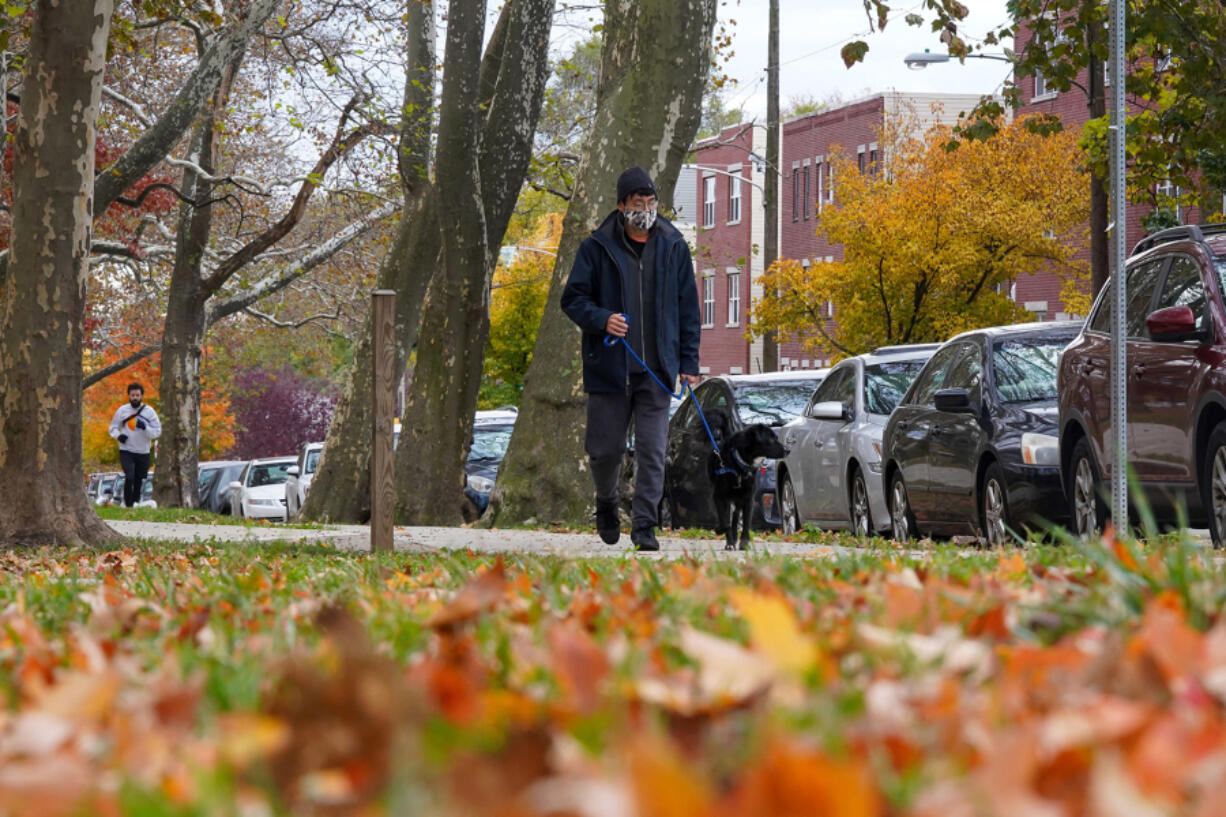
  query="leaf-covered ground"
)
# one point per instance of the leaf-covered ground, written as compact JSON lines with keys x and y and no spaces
{"x":291,"y":680}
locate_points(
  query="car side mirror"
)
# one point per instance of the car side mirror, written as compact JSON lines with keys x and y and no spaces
{"x":292,"y":471}
{"x":830,"y":410}
{"x":957,"y":401}
{"x":235,"y":486}
{"x":1173,"y":324}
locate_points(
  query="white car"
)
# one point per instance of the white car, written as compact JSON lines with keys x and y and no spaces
{"x":259,"y":493}
{"x":831,"y":476}
{"x":299,"y":480}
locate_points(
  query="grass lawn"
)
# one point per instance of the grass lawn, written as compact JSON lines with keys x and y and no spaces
{"x":192,"y":516}
{"x":194,"y":680}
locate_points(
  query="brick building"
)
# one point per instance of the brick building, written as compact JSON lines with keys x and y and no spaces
{"x":730,"y":173}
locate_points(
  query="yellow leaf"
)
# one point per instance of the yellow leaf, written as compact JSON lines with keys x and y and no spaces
{"x":774,"y":631}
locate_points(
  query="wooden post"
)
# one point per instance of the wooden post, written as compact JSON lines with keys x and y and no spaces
{"x":383,"y":405}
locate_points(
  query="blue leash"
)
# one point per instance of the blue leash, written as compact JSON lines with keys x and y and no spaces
{"x":611,"y":341}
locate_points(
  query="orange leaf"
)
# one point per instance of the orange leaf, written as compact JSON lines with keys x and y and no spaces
{"x":482,"y":593}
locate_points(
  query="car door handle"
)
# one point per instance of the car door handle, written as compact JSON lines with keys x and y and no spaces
{"x":1138,"y":370}
{"x":818,"y":444}
{"x":903,"y":424}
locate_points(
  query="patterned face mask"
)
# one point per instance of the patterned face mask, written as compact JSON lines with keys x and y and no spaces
{"x":641,"y":219}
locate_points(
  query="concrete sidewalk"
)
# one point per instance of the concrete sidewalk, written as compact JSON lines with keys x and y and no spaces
{"x":409,"y":539}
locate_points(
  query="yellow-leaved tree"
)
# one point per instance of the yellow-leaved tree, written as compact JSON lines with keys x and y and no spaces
{"x":517,"y":301}
{"x":932,"y":239}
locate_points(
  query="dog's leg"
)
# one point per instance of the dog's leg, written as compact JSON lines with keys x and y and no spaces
{"x":730,"y":520}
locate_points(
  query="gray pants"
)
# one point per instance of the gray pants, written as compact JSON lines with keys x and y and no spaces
{"x":608,"y":418}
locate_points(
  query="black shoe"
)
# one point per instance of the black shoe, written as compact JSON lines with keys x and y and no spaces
{"x":644,"y":539}
{"x":608,"y":523}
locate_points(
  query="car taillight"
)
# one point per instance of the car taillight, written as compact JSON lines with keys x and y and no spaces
{"x":762,"y":470}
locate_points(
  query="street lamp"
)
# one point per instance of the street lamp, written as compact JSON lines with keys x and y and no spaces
{"x":922,"y":59}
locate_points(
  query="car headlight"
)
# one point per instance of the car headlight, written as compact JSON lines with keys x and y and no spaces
{"x":482,"y":485}
{"x":264,"y":501}
{"x":875,"y":467}
{"x":1040,"y":449}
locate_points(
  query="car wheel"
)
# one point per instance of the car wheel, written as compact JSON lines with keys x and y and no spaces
{"x":1213,"y":482}
{"x":789,"y":517}
{"x":665,"y":512}
{"x":1085,"y":491}
{"x":861,"y":515}
{"x":902,"y":520}
{"x":994,"y":508}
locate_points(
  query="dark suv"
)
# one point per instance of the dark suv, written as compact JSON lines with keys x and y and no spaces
{"x":1176,"y":386}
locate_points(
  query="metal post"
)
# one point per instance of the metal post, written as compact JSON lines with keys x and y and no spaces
{"x":1119,"y":237}
{"x":383,"y":402}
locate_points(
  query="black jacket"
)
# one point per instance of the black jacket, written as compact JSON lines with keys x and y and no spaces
{"x":596,"y":290}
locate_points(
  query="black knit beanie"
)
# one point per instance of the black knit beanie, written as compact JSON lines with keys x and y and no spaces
{"x":634,"y":180}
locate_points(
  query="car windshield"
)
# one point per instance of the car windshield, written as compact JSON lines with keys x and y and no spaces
{"x":312,"y":460}
{"x":886,"y":383}
{"x":1026,"y":368}
{"x":271,"y":473}
{"x":775,"y":403}
{"x":489,"y":443}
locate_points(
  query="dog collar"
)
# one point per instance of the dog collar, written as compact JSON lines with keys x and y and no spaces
{"x":736,"y":457}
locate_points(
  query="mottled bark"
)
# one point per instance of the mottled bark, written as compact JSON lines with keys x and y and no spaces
{"x":654,"y":58}
{"x":175,"y":477}
{"x":42,"y":497}
{"x":437,"y":418}
{"x":341,"y":487}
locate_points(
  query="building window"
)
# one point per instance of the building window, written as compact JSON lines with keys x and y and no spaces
{"x":795,"y":194}
{"x":830,"y":183}
{"x":734,"y":298}
{"x":805,"y":198}
{"x":734,"y":198}
{"x":860,"y":161}
{"x":817,"y":173}
{"x":708,"y":201}
{"x":872,"y":162}
{"x":708,"y":299}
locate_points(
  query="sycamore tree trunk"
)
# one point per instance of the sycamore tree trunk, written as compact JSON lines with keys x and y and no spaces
{"x":437,"y":427}
{"x":511,"y":86}
{"x":341,"y":487}
{"x":175,"y":478}
{"x":437,"y":420}
{"x":42,"y":496}
{"x":654,"y":58}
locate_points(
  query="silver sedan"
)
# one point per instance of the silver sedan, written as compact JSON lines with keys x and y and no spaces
{"x":832,"y":476}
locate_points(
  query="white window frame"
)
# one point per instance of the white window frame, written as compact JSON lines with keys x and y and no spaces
{"x":817,"y":171}
{"x":830,"y":184}
{"x":805,"y":190}
{"x":734,"y":195}
{"x":708,"y":299}
{"x":1042,"y":93}
{"x":733,"y":274}
{"x":708,"y":201}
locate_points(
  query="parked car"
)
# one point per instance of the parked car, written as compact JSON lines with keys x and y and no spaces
{"x":299,"y":475}
{"x":111,"y":492}
{"x":96,"y":481}
{"x":259,"y":491}
{"x":775,"y":399}
{"x":491,"y":434}
{"x":1176,"y":386}
{"x":831,"y":476}
{"x":972,"y":448}
{"x":214,"y":478}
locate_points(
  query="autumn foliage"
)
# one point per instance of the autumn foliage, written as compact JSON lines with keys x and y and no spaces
{"x":932,"y":239}
{"x":1084,"y":680}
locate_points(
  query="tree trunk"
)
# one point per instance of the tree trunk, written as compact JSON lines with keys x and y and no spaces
{"x":438,"y":417}
{"x":513,"y":77}
{"x":42,"y":497}
{"x":341,"y":486}
{"x":654,"y":59}
{"x":1100,"y":263}
{"x":175,"y":478}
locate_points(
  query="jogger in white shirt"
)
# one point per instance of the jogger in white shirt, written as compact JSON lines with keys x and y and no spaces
{"x":135,"y":426}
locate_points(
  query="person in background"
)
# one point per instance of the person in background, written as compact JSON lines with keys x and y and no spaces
{"x":135,"y":426}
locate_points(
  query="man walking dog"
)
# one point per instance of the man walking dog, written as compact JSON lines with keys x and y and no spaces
{"x":135,"y":425}
{"x":633,"y":280}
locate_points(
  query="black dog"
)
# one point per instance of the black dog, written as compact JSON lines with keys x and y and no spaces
{"x":733,"y":474}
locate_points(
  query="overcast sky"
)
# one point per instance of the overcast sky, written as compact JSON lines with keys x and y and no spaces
{"x":811,"y":34}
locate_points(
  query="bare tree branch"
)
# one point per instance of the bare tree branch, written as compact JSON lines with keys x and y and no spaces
{"x":136,"y":108}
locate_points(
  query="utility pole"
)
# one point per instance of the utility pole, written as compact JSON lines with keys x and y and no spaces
{"x":770,"y":243}
{"x":1119,"y":289}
